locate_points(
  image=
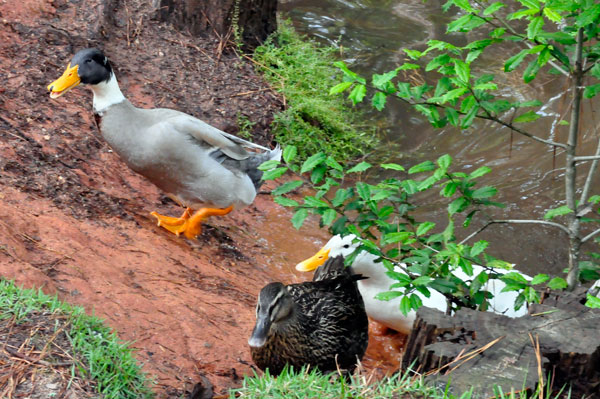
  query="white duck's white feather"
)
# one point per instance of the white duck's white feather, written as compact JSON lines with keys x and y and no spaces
{"x":388,"y":312}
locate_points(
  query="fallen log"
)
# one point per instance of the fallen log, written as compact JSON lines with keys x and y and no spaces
{"x":558,"y":340}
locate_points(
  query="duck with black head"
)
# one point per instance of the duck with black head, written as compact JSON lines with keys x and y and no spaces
{"x":199,"y":166}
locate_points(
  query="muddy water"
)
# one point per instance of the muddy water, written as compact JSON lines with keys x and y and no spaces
{"x":528,"y":174}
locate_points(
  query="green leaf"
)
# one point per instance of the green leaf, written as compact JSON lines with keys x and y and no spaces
{"x":357,"y":94}
{"x":462,"y":71}
{"x":405,"y":306}
{"x":395,"y":237}
{"x":484,"y":192}
{"x":552,"y":15}
{"x":528,"y":116}
{"x":361,"y":167}
{"x":274,"y":173}
{"x":426,"y":166}
{"x":340,"y":87}
{"x":285,"y":201}
{"x":363,"y":190}
{"x":332,"y":163}
{"x":407,"y":66}
{"x":378,"y":101}
{"x":591,"y":91}
{"x":414,"y":54}
{"x":268,"y":165}
{"x":328,"y":217}
{"x":594,"y":199}
{"x":557,"y":283}
{"x":449,"y":189}
{"x":531,"y":4}
{"x":493,"y":8}
{"x":514,"y":277}
{"x":479,"y":172}
{"x":388,"y":295}
{"x":486,"y":86}
{"x":423,"y":280}
{"x":444,"y":161}
{"x":522,"y":13}
{"x":532,"y":69}
{"x":499,"y":264}
{"x":532,"y":103}
{"x":539,"y":279}
{"x":589,"y":15}
{"x":424,"y":228}
{"x":392,"y":166}
{"x":464,"y":4}
{"x":467,"y":104}
{"x":437,"y":62}
{"x":561,"y":210}
{"x":298,"y":218}
{"x":410,"y":186}
{"x":312,"y":162}
{"x":513,"y":62}
{"x":287,"y":187}
{"x":595,"y":71}
{"x":531,"y":295}
{"x":467,"y":121}
{"x":459,"y":23}
{"x":497,"y":33}
{"x":478,"y":248}
{"x":453,"y":94}
{"x":289,"y":153}
{"x":457,"y":205}
{"x":314,"y":202}
{"x":318,"y":173}
{"x":341,"y":196}
{"x":452,"y":116}
{"x":379,"y":81}
{"x":592,"y":302}
{"x":534,"y":27}
{"x":559,"y":37}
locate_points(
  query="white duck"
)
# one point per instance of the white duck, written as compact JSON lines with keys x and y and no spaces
{"x":388,"y":312}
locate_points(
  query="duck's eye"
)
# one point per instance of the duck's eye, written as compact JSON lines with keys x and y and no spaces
{"x":347,"y":246}
{"x":88,"y":61}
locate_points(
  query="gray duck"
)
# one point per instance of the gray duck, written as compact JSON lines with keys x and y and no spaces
{"x":199,"y":166}
{"x":318,"y":323}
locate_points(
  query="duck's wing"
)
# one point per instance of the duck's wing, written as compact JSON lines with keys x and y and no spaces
{"x":203,"y":132}
{"x":229,"y":144}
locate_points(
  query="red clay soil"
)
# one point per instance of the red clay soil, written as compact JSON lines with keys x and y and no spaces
{"x":74,"y":220}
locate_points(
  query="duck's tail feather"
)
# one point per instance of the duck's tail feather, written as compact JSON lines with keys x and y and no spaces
{"x":275,"y":153}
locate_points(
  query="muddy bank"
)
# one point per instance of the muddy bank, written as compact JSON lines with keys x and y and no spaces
{"x":75,"y":221}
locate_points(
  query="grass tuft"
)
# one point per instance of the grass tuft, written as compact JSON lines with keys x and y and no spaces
{"x":314,"y":121}
{"x":101,"y":355}
{"x":310,"y":383}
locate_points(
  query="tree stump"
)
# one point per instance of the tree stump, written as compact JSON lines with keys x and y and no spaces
{"x":483,"y":349}
{"x":255,"y":19}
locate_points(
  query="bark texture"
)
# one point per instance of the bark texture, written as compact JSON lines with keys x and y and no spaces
{"x":566,"y":330}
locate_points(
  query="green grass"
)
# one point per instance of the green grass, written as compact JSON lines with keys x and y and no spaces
{"x":312,"y":384}
{"x":305,"y":383}
{"x":106,"y":359}
{"x":314,"y":121}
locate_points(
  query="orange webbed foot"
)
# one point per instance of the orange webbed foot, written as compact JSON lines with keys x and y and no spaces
{"x":194,"y":227}
{"x":174,"y":225}
{"x":188,"y":224}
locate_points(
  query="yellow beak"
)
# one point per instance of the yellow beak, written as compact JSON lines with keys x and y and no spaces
{"x":313,"y":262}
{"x":68,"y":80}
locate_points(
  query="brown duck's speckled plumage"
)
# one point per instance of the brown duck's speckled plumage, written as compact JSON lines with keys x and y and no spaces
{"x":327,"y":326}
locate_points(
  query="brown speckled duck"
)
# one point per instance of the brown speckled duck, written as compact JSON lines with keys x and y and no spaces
{"x":318,"y":323}
{"x":197,"y":165}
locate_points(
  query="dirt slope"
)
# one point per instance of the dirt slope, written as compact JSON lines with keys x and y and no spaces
{"x":75,"y":221}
